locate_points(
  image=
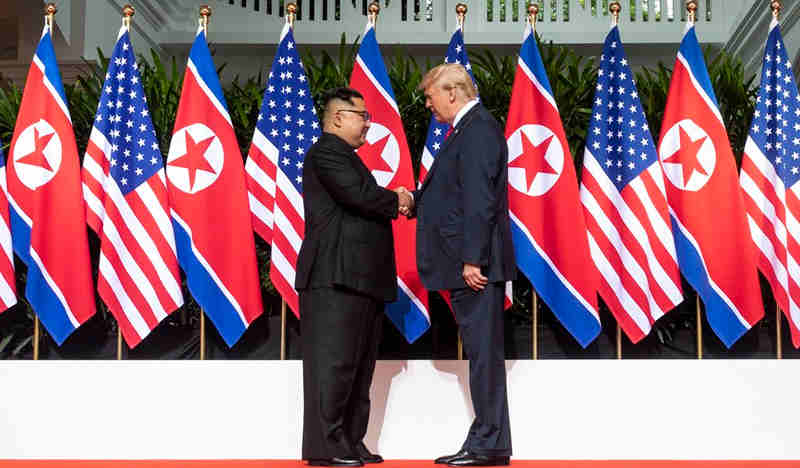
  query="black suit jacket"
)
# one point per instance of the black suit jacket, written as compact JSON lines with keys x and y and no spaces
{"x":348,"y":227}
{"x":462,"y":206}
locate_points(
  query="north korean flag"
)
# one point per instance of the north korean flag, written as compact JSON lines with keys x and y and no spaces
{"x":548,"y":226}
{"x":48,"y":221}
{"x":712,"y":237}
{"x":208,"y":202}
{"x":386,"y":154}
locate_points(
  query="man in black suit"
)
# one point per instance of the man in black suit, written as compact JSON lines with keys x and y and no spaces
{"x":464,"y":246}
{"x":345,"y":274}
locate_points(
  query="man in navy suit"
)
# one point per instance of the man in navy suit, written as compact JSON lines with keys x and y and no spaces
{"x":464,"y":246}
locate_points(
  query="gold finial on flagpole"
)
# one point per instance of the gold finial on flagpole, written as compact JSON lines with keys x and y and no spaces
{"x":615,"y":8}
{"x":205,"y":12}
{"x":461,"y":11}
{"x":127,"y":14}
{"x":291,"y":12}
{"x":373,"y":11}
{"x":50,"y":11}
{"x":776,"y":8}
{"x":691,"y":7}
{"x":533,"y":14}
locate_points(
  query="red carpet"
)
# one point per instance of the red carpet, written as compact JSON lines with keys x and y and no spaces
{"x":388,"y":464}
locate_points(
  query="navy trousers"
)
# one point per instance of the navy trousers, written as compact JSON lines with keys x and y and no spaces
{"x":480,"y":318}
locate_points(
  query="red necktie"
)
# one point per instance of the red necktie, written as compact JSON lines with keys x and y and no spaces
{"x":447,"y":134}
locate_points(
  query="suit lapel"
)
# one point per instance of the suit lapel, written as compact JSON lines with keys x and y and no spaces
{"x":456,"y":132}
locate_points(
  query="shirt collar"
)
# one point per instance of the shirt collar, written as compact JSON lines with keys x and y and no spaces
{"x":464,"y":111}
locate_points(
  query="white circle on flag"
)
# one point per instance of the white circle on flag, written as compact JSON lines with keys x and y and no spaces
{"x":705,"y":158}
{"x":390,"y":153}
{"x":198,"y":176}
{"x":553,"y":155}
{"x":37,"y":154}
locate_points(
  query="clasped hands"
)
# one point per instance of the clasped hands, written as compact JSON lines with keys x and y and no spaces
{"x":405,"y":201}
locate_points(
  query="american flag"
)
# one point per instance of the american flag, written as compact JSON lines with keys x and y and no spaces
{"x":437,"y":132}
{"x":8,"y":288}
{"x":287,"y":126}
{"x":623,"y":196}
{"x":769,"y":178}
{"x":126,"y":203}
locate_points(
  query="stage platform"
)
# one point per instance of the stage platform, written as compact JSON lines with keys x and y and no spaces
{"x":248,"y":414}
{"x":392,"y":464}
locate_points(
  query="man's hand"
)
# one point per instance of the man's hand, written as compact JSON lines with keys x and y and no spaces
{"x":473,"y":277}
{"x":405,"y":201}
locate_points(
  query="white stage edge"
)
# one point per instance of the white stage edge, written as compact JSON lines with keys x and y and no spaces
{"x":586,"y":409}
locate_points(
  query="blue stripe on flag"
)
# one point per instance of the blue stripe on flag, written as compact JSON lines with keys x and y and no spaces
{"x":529,"y":53}
{"x":205,"y":290}
{"x":572,"y":313}
{"x":690,"y":50}
{"x":42,"y":298}
{"x":47,"y":55}
{"x":370,"y":53}
{"x":407,"y":317}
{"x":201,"y":58}
{"x":719,"y":314}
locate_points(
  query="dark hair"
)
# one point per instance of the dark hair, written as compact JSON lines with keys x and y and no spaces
{"x":342,"y":94}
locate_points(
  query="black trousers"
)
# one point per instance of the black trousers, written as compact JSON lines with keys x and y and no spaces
{"x":340,"y":335}
{"x":480,"y":319}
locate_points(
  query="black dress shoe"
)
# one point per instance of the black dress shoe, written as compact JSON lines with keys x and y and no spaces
{"x":472,"y":459}
{"x":446,"y":459}
{"x":366,"y":456}
{"x":336,"y":461}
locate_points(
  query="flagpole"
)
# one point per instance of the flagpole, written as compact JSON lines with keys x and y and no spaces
{"x":291,"y":10}
{"x":283,"y":330}
{"x":35,"y":337}
{"x":374,"y":10}
{"x":778,"y":320}
{"x":615,"y":8}
{"x":49,"y":12}
{"x":699,"y":330}
{"x":205,"y":12}
{"x":535,"y":325}
{"x":127,"y":14}
{"x":776,"y":7}
{"x":533,"y":17}
{"x":691,"y":7}
{"x":461,"y":13}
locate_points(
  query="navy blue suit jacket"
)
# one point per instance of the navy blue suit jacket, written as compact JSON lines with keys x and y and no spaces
{"x":462,"y":206}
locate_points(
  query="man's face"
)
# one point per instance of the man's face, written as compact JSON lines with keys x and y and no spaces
{"x":439,"y":102}
{"x":353,"y":122}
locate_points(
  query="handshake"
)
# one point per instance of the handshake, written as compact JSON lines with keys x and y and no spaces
{"x":405,"y":201}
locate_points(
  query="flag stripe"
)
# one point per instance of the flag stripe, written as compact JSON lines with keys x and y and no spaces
{"x":626,"y":212}
{"x":626,"y":246}
{"x":618,"y":298}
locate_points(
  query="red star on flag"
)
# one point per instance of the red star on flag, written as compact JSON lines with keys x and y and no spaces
{"x":686,"y":156}
{"x":371,"y":155}
{"x":37,"y":158}
{"x":194,"y":160}
{"x":532,"y":159}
